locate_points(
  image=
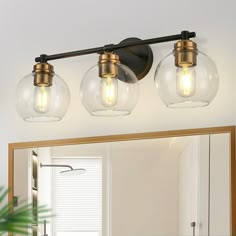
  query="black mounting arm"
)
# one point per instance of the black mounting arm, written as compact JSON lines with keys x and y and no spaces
{"x":112,"y":47}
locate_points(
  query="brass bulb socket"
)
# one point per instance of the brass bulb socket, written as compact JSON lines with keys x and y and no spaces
{"x":108,"y":65}
{"x":43,"y":74}
{"x":185,"y":52}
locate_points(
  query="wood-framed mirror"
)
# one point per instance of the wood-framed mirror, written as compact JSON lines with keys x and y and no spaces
{"x":166,"y":160}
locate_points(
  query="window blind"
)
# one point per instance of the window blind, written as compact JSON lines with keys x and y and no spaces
{"x":77,"y":200}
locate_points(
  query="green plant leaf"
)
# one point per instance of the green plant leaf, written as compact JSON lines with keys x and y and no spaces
{"x":21,"y":219}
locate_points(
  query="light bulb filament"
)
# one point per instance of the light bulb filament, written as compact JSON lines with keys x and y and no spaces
{"x":186,"y":82}
{"x":42,"y":97}
{"x":109,"y":91}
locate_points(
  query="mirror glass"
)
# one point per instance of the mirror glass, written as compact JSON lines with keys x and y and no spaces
{"x":155,"y":186}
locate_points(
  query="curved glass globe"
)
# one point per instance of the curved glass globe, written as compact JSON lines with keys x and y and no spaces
{"x":38,"y":104}
{"x":186,"y":87}
{"x":109,"y":96}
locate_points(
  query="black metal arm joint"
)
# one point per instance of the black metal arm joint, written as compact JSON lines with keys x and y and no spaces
{"x":42,"y":58}
{"x":108,"y":48}
{"x":186,"y":35}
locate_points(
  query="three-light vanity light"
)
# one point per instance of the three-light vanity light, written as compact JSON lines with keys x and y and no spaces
{"x":184,"y":78}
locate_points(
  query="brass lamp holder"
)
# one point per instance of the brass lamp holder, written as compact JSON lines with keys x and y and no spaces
{"x":108,"y":65}
{"x":185,"y":52}
{"x":43,"y":74}
{"x":133,"y":52}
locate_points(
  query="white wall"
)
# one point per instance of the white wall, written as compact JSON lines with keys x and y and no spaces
{"x":45,"y":185}
{"x":193,"y":189}
{"x":22,"y":174}
{"x":144,"y":189}
{"x":220,"y":185}
{"x":205,"y":199}
{"x":188,"y":187}
{"x":204,"y":185}
{"x":29,"y":28}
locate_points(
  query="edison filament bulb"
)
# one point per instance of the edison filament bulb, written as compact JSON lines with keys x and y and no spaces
{"x":186,"y":81}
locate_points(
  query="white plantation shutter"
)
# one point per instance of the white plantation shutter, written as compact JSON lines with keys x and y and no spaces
{"x":77,"y":200}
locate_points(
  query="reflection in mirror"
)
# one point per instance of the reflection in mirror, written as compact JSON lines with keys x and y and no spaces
{"x":150,"y":186}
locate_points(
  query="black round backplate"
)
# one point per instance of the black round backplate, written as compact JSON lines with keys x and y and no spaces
{"x":138,"y":58}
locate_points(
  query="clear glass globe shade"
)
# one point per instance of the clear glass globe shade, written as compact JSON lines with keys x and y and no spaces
{"x":38,"y":104}
{"x":187,"y":87}
{"x":109,"y":96}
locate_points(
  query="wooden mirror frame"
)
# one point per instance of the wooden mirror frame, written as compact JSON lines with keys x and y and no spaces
{"x":137,"y":136}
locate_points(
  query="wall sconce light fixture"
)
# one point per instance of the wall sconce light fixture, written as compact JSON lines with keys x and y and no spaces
{"x":184,"y":78}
